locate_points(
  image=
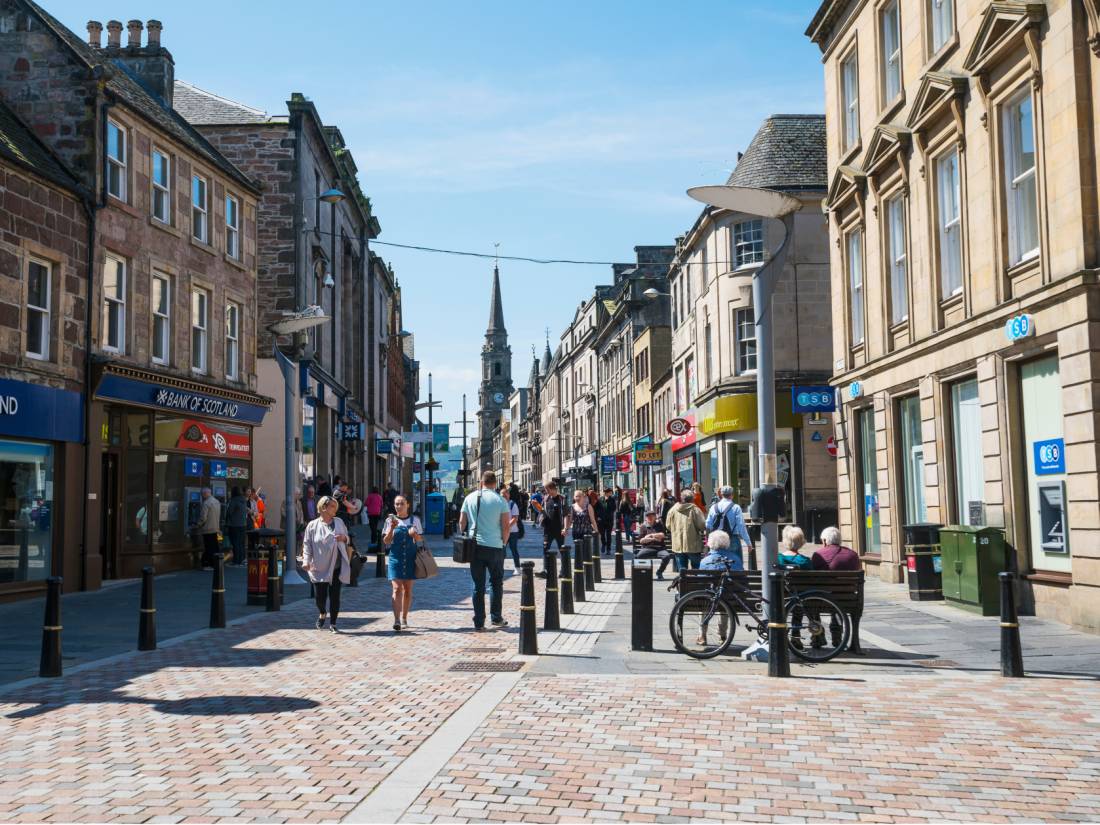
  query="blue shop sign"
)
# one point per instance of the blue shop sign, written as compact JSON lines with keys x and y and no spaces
{"x":813,"y":399}
{"x":34,"y":411}
{"x":607,"y":464}
{"x":1050,"y":457}
{"x":192,"y":467}
{"x":173,"y":399}
{"x":352,"y":431}
{"x":383,"y":446}
{"x":218,"y":469}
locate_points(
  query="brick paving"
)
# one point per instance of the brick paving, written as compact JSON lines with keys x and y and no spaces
{"x":273,"y":721}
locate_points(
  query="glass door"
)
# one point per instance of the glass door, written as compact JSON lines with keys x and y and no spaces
{"x":868,"y":467}
{"x":966,"y":422}
{"x":912,"y":460}
{"x":1044,"y":453}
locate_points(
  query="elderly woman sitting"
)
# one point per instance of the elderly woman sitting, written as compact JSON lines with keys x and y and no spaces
{"x":718,"y":545}
{"x":793,"y":540}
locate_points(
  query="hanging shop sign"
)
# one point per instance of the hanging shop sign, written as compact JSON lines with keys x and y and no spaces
{"x":648,"y":456}
{"x":163,"y":397}
{"x":1019,"y":327}
{"x":855,"y":390}
{"x":383,"y":446}
{"x":441,"y":438}
{"x":686,"y":434}
{"x":352,"y":431}
{"x":607,"y":464}
{"x":623,"y":463}
{"x":813,"y":399}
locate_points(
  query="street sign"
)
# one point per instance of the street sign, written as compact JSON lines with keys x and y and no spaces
{"x":816,"y":436}
{"x":813,"y":399}
{"x":1050,"y":457}
{"x":679,"y":426}
{"x":383,"y":446}
{"x":1019,"y":327}
{"x":441,"y":438}
{"x":830,"y":446}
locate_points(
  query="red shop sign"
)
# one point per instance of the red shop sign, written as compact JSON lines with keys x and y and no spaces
{"x":622,"y":463}
{"x":679,"y":442}
{"x":199,"y":437}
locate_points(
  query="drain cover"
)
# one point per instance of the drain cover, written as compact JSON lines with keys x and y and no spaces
{"x":937,"y":663}
{"x":483,"y":650}
{"x":492,"y":667}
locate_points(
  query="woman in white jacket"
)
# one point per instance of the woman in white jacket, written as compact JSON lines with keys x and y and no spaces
{"x":325,"y":558}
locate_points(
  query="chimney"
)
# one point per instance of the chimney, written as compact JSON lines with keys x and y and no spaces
{"x":153,"y":29}
{"x":134,"y":28}
{"x":95,"y":34}
{"x":114,"y":34}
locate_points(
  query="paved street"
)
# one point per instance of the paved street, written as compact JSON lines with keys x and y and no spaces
{"x":271,"y":720}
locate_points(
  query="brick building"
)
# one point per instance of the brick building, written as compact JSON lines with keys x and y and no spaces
{"x":172,"y":398}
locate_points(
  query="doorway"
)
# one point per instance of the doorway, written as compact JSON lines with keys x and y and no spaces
{"x":108,"y":519}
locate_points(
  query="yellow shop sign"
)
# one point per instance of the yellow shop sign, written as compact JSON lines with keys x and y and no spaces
{"x":730,"y":413}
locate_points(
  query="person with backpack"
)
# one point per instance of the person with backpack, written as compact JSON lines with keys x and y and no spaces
{"x":556,"y":519}
{"x":516,"y":530}
{"x":726,"y":515}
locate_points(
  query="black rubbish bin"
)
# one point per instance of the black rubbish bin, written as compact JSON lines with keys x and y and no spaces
{"x":923,"y":562}
{"x":259,"y":541}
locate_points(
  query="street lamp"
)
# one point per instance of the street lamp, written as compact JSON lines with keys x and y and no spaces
{"x":766,"y":203}
{"x":429,"y":405}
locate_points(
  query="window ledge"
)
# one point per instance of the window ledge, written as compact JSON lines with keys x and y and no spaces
{"x":871,"y":558}
{"x":235,"y":262}
{"x":900,"y":326}
{"x":1049,"y":577}
{"x":936,"y":60}
{"x":952,"y":300}
{"x":205,"y":247}
{"x":165,"y":227}
{"x":850,"y":154}
{"x":123,"y":206}
{"x":892,"y":108}
{"x":1027,"y":266}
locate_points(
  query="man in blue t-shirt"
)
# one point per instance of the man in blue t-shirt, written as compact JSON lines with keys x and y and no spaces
{"x":486,"y":518}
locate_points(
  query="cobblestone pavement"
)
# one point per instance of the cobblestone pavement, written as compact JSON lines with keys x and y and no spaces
{"x":271,"y":720}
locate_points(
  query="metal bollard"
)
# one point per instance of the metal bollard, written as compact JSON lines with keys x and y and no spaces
{"x":779,"y":655}
{"x":50,"y":663}
{"x":589,"y":572}
{"x":273,"y":602}
{"x":1012,"y":655}
{"x":565,"y":582}
{"x":380,"y":562}
{"x":620,"y":564}
{"x":752,"y":558}
{"x":641,"y":605}
{"x":594,"y":552}
{"x":217,"y":594}
{"x":579,"y":593}
{"x":528,"y":633}
{"x":551,"y":619}
{"x":147,"y":617}
{"x":618,"y":541}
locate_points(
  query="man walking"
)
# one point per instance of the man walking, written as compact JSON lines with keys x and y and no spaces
{"x":210,"y":519}
{"x":725,"y":514}
{"x":556,"y":518}
{"x":487,"y":517}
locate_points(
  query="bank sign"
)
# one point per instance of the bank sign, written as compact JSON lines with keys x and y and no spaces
{"x":173,"y":399}
{"x":1050,"y":457}
{"x":815,"y":399}
{"x":34,"y":411}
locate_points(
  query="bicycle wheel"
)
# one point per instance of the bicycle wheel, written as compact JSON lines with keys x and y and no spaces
{"x":817,"y":629}
{"x":701,"y":625}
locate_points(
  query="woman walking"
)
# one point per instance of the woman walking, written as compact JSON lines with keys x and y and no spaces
{"x":584,"y":517}
{"x":236,"y":523}
{"x":402,"y":537}
{"x":513,"y":534}
{"x":325,"y":558}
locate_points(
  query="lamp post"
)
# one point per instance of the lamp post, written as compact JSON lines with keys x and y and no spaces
{"x":429,"y":405}
{"x":465,"y":457}
{"x":765,"y":203}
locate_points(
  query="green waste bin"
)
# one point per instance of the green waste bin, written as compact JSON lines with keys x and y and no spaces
{"x":971,"y":559}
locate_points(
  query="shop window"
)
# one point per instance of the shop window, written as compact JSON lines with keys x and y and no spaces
{"x":949,"y":203}
{"x":135,"y":509}
{"x":162,"y":318}
{"x":117,"y":139}
{"x":39,"y":277}
{"x":899,"y":260}
{"x":966,"y":430}
{"x":113,"y":329}
{"x":162,"y":187}
{"x":200,"y":316}
{"x":739,"y":472}
{"x":868,"y":479}
{"x":912,"y":459}
{"x":1021,"y":202}
{"x":26,"y":511}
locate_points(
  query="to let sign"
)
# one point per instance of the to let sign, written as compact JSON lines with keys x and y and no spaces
{"x":815,"y":399}
{"x":1050,"y":457}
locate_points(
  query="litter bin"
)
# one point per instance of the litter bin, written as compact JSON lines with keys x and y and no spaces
{"x":923,"y":562}
{"x":437,"y":514}
{"x":259,"y":541}
{"x":972,"y":559}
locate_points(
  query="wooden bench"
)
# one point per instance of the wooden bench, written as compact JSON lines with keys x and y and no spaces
{"x":845,"y":587}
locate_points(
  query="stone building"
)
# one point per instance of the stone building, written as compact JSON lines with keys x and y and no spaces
{"x":496,"y":376}
{"x":315,"y":226}
{"x":963,"y":213}
{"x":714,"y":334}
{"x":651,"y":359}
{"x":172,"y":395}
{"x":44,"y":256}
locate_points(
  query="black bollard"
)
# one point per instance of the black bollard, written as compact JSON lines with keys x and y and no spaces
{"x":565,"y":582}
{"x":618,"y":541}
{"x":579,"y":593}
{"x":528,"y":633}
{"x":217,"y":594}
{"x":589,"y":571}
{"x":380,"y":561}
{"x":779,"y":656}
{"x":551,"y":619}
{"x":641,"y":605}
{"x":1012,"y":655}
{"x":50,"y":663}
{"x":620,"y":564}
{"x":597,"y":566}
{"x":147,"y":618}
{"x":273,"y":601}
{"x":752,"y":558}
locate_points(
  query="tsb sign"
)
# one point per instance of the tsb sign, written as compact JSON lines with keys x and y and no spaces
{"x":1019,"y":327}
{"x":815,"y":399}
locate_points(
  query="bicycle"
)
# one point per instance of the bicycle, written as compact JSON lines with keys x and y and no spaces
{"x":812,"y":612}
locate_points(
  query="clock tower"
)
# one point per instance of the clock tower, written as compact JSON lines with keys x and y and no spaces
{"x":496,"y":375}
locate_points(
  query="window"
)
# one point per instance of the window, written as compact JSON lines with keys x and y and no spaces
{"x":748,"y":243}
{"x":708,"y":350}
{"x":899,"y":286}
{"x":113,"y":331}
{"x":232,"y":227}
{"x":116,"y":160}
{"x":912,"y":459}
{"x":855,"y":283}
{"x":891,"y":52}
{"x":942,"y":13}
{"x":28,"y":509}
{"x":200,"y":308}
{"x":849,"y":95}
{"x":1020,"y":196}
{"x":162,"y":190}
{"x":950,"y":223}
{"x":868,"y":472}
{"x":232,"y":341}
{"x":680,"y":406}
{"x":162,"y":318}
{"x":38,"y":309}
{"x":675,"y":304}
{"x":745,"y":343}
{"x":200,"y":209}
{"x":966,"y":423}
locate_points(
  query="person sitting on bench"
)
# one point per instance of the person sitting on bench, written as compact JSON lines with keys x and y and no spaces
{"x":719,"y":552}
{"x":653,"y":543}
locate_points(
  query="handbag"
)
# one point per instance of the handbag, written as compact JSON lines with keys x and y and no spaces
{"x":426,"y":568}
{"x":465,"y":546}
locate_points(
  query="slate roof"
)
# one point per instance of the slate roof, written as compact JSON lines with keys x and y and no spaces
{"x":18,"y":143}
{"x":202,"y":108}
{"x":134,"y":95}
{"x":787,"y":153}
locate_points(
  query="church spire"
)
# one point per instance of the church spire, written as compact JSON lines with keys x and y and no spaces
{"x":496,"y":309}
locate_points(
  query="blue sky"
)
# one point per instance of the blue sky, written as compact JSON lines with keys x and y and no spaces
{"x":562,"y":129}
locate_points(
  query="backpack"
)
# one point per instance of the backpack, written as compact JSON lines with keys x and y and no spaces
{"x":552,"y":510}
{"x":726,"y":526}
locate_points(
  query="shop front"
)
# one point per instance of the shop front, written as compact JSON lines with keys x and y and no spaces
{"x":684,"y":450}
{"x":161,"y":441}
{"x":41,"y":462}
